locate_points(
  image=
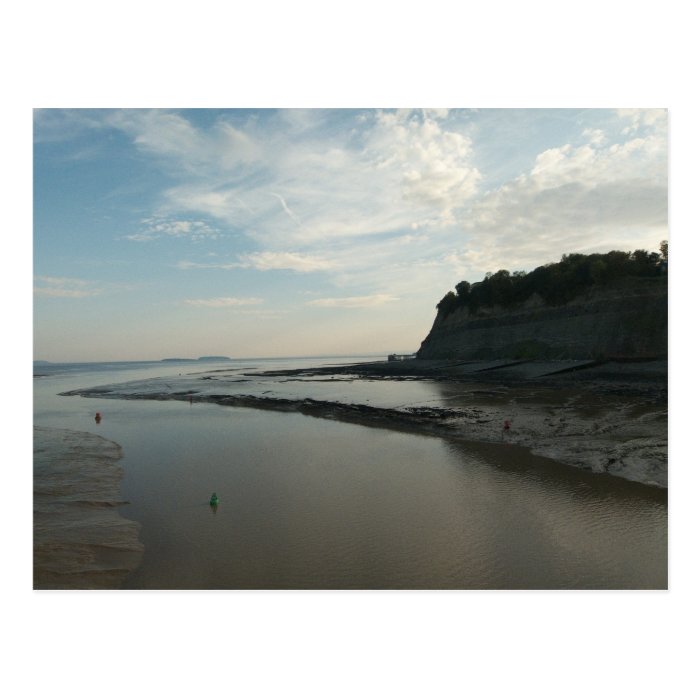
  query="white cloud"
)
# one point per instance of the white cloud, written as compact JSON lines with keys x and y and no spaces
{"x":221,"y":302}
{"x":641,"y":118}
{"x":595,"y":136}
{"x":391,"y":200}
{"x":66,"y":287}
{"x":267,"y":260}
{"x":213,"y":200}
{"x":156,"y":227}
{"x":140,"y":237}
{"x":62,"y":292}
{"x":302,"y":179}
{"x":595,"y":196}
{"x":54,"y":125}
{"x":62,"y":281}
{"x":298,"y":262}
{"x":194,"y":151}
{"x":191,"y":265}
{"x":435,"y":165}
{"x":353,"y":302}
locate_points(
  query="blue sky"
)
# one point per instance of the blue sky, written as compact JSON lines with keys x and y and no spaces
{"x":307,"y":232}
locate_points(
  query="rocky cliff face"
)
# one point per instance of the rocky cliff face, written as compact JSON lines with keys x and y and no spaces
{"x":629,"y":320}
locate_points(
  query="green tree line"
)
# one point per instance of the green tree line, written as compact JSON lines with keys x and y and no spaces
{"x":557,"y":283}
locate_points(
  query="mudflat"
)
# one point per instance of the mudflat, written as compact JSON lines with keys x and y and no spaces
{"x":604,"y":417}
{"x":607,"y":416}
{"x":80,"y":539}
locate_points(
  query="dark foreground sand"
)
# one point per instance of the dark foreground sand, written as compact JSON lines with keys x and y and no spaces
{"x":80,"y":539}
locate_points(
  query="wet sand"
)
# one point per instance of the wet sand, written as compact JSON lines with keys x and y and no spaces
{"x":80,"y":539}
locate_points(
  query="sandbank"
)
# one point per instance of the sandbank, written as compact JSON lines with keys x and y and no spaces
{"x":80,"y":539}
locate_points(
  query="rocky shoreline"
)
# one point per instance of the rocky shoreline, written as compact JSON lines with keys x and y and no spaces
{"x":603,"y":416}
{"x":607,"y":417}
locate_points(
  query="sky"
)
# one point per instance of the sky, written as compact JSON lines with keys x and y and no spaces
{"x":290,"y":232}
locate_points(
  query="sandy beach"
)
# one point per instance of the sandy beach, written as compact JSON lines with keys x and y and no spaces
{"x":80,"y":539}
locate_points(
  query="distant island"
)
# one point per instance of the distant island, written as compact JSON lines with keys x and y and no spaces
{"x":204,"y":358}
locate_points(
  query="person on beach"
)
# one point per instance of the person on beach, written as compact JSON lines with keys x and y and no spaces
{"x":506,"y":427}
{"x":98,"y":418}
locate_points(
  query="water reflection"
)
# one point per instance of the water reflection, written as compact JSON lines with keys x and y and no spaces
{"x":313,"y":503}
{"x":320,"y":504}
{"x":547,"y":522}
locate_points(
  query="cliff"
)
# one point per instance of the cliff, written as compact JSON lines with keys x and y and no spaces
{"x":626,"y":320}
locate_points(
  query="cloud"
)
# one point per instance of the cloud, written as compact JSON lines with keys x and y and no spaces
{"x":56,"y":125}
{"x":66,"y":287}
{"x":642,"y":118}
{"x":191,"y":265}
{"x":140,"y":237}
{"x":435,"y":164}
{"x":268,"y":260}
{"x":61,"y":292}
{"x":298,"y":262}
{"x":576,"y":198}
{"x":215,"y":200}
{"x":334,"y":175}
{"x":193,"y":151}
{"x":221,"y":302}
{"x":156,"y":227}
{"x":353,"y":302}
{"x":394,"y":200}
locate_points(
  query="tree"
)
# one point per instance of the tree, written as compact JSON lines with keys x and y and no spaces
{"x":463,"y":290}
{"x":448,"y":303}
{"x":557,"y":283}
{"x":501,"y":288}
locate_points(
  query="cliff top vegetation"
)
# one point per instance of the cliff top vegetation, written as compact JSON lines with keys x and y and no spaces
{"x":556,"y":283}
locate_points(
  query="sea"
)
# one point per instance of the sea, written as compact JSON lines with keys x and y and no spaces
{"x":317,"y":504}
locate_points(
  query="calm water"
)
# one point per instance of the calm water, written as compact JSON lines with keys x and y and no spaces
{"x":310,"y":503}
